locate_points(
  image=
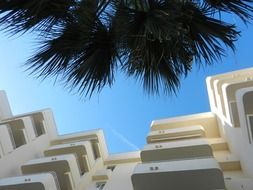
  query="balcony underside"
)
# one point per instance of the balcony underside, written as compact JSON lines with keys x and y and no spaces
{"x":195,"y":148}
{"x":60,"y":168}
{"x":199,"y":174}
{"x":29,"y":186}
{"x":44,"y":181}
{"x":64,"y":166}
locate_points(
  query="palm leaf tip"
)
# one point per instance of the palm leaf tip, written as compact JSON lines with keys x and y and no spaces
{"x":207,"y":35}
{"x":24,"y":15}
{"x":242,"y":8}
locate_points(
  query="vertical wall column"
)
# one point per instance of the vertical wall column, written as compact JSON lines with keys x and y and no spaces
{"x":5,"y":110}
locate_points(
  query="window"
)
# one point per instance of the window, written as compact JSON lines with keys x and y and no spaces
{"x":111,"y":167}
{"x":100,"y":185}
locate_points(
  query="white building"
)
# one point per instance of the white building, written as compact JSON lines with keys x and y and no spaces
{"x":206,"y":151}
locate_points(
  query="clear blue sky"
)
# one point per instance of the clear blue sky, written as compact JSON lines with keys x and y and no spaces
{"x":124,"y":111}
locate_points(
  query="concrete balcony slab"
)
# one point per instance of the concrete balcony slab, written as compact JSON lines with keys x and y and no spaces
{"x":82,"y":150}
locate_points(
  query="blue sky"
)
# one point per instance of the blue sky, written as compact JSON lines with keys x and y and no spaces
{"x":123,"y":111}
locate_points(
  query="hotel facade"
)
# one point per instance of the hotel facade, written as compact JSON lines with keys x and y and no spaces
{"x":204,"y":151}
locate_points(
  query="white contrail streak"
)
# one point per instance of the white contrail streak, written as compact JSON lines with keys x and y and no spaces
{"x":124,"y":139}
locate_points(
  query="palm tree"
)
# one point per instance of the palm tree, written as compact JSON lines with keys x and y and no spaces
{"x":84,"y":42}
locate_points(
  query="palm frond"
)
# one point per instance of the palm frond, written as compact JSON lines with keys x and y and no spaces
{"x":83,"y":54}
{"x":156,"y":67}
{"x":83,"y":42}
{"x":169,"y":35}
{"x":242,"y":8}
{"x":23,"y":15}
{"x":208,"y":37}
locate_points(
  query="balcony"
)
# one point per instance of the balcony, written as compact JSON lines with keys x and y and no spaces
{"x":82,"y":150}
{"x":43,"y":181}
{"x":175,"y":150}
{"x":7,"y":144}
{"x":102,"y":175}
{"x":17,"y":132}
{"x":229,"y":97}
{"x":227,"y":160}
{"x":218,"y":144}
{"x":64,"y":166}
{"x":96,"y":137}
{"x":176,"y":134}
{"x":197,"y":174}
{"x":36,"y":119}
